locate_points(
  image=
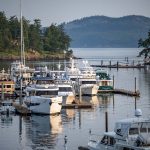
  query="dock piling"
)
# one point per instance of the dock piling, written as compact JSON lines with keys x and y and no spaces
{"x":2,"y":96}
{"x":106,"y":121}
{"x":135,"y":84}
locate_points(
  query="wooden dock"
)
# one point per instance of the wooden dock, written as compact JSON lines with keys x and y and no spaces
{"x":119,"y":66}
{"x":24,"y":111}
{"x":21,"y":109}
{"x":77,"y":106}
{"x":121,"y":91}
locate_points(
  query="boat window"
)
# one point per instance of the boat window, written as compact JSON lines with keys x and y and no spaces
{"x":31,"y":93}
{"x":73,"y":79}
{"x":65,"y":89}
{"x":104,"y":83}
{"x":88,"y":82}
{"x":133,"y":131}
{"x":39,"y":93}
{"x":125,"y":148}
{"x":143,"y":130}
{"x":149,"y":130}
{"x":104,"y":140}
{"x":45,"y":82}
{"x":112,"y":141}
{"x":8,"y":86}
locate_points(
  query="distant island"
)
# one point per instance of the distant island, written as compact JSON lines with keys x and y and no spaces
{"x":107,"y":32}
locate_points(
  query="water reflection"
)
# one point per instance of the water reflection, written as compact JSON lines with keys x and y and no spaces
{"x":6,"y":120}
{"x":42,"y":131}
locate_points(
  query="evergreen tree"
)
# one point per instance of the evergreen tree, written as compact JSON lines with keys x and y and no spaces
{"x":146,"y":45}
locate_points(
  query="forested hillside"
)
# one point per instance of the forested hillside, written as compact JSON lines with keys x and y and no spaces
{"x":102,"y":31}
{"x":36,"y":41}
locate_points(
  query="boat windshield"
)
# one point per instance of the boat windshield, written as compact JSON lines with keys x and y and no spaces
{"x":39,"y":93}
{"x":107,"y":140}
{"x":65,"y":89}
{"x":45,"y":82}
{"x":88,"y":82}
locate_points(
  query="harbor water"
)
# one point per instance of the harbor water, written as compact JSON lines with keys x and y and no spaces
{"x":71,"y":128}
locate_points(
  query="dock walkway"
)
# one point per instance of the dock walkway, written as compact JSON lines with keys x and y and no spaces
{"x":121,"y":91}
{"x":21,"y":109}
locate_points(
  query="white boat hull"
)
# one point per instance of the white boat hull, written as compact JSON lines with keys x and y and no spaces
{"x":89,"y":90}
{"x":42,"y":105}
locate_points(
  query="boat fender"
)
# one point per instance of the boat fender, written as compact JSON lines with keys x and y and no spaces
{"x":50,"y":103}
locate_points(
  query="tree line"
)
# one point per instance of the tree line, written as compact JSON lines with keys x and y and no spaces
{"x":51,"y":39}
{"x":145,"y":43}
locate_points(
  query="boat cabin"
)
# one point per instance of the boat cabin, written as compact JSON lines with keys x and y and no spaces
{"x":134,"y":131}
{"x":7,"y":86}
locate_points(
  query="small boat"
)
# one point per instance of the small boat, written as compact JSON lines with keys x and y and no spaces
{"x":128,"y":134}
{"x":4,"y":75}
{"x":66,"y":91}
{"x":7,"y":88}
{"x":42,"y":96}
{"x":104,"y":81}
{"x":86,"y":84}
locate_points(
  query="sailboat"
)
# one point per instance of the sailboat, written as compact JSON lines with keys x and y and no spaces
{"x":19,"y":71}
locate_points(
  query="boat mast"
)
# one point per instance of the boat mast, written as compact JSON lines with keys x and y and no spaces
{"x":22,"y":39}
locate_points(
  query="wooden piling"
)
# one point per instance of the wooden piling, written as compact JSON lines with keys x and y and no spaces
{"x":135,"y":84}
{"x":135,"y":103}
{"x":101,"y":63}
{"x":106,"y":121}
{"x":113,"y":81}
{"x":110,"y":64}
{"x":117,"y":65}
{"x":80,"y":94}
{"x":2,"y":92}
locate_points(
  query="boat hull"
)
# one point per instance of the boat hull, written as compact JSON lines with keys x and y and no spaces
{"x":42,"y":105}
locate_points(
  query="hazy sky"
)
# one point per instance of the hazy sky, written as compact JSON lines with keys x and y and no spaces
{"x":58,"y":11}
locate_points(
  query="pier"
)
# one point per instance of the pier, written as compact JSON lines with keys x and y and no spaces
{"x":77,"y":105}
{"x":121,"y":91}
{"x":121,"y":64}
{"x":21,"y":109}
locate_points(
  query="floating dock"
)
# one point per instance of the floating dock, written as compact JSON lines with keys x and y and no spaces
{"x":121,"y":91}
{"x":119,"y":66}
{"x":76,"y":106}
{"x":24,"y":111}
{"x":21,"y":109}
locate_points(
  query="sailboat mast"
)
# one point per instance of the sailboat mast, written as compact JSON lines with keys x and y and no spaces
{"x":21,"y":30}
{"x":22,"y":39}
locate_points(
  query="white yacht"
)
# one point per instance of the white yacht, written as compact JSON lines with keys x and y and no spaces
{"x":87,"y":83}
{"x":42,"y":96}
{"x":73,"y":72}
{"x":66,"y":90}
{"x":129,"y":134}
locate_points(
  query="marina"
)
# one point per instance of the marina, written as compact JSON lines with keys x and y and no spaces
{"x":74,"y":75}
{"x":70,"y":128}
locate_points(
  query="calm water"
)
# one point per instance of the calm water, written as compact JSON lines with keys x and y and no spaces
{"x":48,"y":132}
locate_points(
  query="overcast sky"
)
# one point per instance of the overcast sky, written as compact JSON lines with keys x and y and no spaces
{"x":58,"y":11}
